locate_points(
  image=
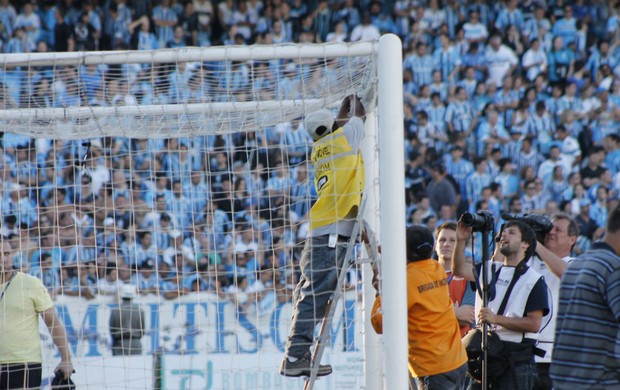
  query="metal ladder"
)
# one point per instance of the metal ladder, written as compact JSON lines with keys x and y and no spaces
{"x":332,"y":303}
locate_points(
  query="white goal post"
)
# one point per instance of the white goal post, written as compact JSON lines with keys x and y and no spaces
{"x":232,"y":98}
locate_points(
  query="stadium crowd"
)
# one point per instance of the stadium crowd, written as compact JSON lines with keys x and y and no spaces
{"x":511,"y":107}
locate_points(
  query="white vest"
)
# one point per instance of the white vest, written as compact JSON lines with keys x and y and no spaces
{"x":515,"y":306}
{"x":547,"y":331}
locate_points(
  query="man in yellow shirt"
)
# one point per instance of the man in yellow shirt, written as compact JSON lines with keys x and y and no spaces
{"x":339,"y":182}
{"x":437,"y":358}
{"x":22,"y":299}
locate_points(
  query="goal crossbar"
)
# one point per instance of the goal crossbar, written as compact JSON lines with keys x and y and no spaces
{"x":201,"y":95}
{"x":192,"y":54}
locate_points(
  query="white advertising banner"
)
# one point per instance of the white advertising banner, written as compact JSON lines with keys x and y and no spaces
{"x":204,"y":343}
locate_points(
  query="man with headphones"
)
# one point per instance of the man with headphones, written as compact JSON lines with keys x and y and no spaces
{"x":437,"y":358}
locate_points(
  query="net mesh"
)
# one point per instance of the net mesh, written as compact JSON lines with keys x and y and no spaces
{"x":183,"y":185}
{"x":178,"y":98}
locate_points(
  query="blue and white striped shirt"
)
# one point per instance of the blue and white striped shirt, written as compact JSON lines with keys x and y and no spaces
{"x":460,"y":114}
{"x":532,"y":159}
{"x":475,"y":183}
{"x":165,"y":33}
{"x":421,"y":67}
{"x":507,"y":18}
{"x":446,"y":61}
{"x":459,"y":170}
{"x":587,"y":342}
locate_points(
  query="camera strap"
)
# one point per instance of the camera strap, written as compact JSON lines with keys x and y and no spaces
{"x":490,"y":285}
{"x":520,"y":269}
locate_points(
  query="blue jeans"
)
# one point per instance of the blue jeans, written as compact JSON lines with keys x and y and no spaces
{"x":451,"y":380}
{"x":521,"y":376}
{"x":319,"y":276}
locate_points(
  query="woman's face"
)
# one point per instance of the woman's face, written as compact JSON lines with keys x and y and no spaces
{"x":512,"y":30}
{"x":530,"y":173}
{"x":578,"y":190}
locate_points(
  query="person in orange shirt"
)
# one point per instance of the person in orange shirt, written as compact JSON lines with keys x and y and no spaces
{"x":437,"y":358}
{"x":461,"y":294}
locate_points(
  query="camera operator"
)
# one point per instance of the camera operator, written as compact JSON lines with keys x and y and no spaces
{"x":551,"y":262}
{"x":526,"y":303}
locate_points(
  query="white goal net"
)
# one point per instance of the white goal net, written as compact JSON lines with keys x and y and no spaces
{"x":178,"y":180}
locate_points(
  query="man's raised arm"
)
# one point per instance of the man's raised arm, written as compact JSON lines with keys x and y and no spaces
{"x":552,"y":261}
{"x":351,"y":106}
{"x":460,"y":267}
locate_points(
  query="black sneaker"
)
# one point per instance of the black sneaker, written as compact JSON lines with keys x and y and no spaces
{"x":303,"y":367}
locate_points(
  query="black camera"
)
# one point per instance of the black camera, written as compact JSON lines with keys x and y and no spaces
{"x":482,"y":221}
{"x":540,"y":224}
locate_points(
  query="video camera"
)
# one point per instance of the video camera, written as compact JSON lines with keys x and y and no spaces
{"x":482,"y":221}
{"x":539,"y":223}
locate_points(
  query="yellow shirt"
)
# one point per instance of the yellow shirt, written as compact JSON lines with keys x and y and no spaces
{"x":23,"y":300}
{"x":338,"y":179}
{"x":434,"y":336}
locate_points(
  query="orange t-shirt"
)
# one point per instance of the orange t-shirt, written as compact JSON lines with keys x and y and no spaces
{"x":434,"y":337}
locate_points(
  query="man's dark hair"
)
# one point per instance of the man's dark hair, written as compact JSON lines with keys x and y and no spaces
{"x":614,"y":137}
{"x":110,"y":267}
{"x":420,"y":243}
{"x":613,"y":221}
{"x":479,"y":160}
{"x":503,"y":162}
{"x":527,"y":235}
{"x":439,"y":167}
{"x":601,"y":42}
{"x":596,"y":149}
{"x":143,"y":233}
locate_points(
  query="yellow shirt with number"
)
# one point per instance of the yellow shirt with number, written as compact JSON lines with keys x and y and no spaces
{"x":23,"y":300}
{"x":434,"y":336}
{"x":338,"y":178}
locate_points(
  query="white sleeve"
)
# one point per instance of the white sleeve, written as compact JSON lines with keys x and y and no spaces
{"x":528,"y":58}
{"x":511,"y":56}
{"x":484,"y":33}
{"x":354,"y":131}
{"x":356,"y":34}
